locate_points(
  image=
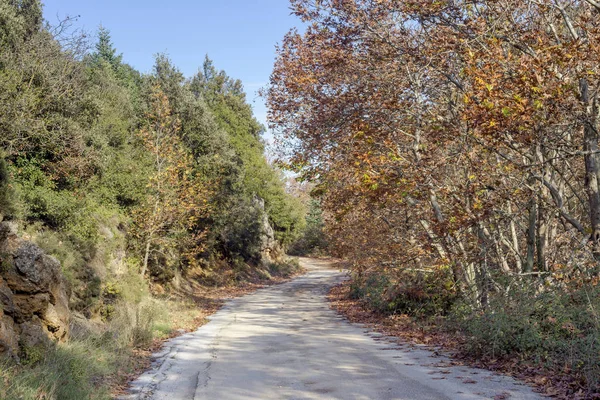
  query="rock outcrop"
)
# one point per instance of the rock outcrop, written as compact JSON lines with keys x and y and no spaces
{"x":34,"y":297}
{"x":270,"y":249}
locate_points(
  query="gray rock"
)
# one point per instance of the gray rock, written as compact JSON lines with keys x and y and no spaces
{"x":33,"y":334}
{"x":34,"y":297}
{"x":6,"y":299}
{"x":270,"y":249}
{"x":37,"y":267}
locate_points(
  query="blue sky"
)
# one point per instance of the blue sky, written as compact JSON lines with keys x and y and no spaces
{"x":239,"y":35}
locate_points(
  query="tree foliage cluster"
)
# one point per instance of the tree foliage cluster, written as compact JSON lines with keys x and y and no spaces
{"x":107,"y":167}
{"x":456,"y":147}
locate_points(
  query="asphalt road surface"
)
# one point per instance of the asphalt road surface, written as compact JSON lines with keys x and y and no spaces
{"x":284,"y":342}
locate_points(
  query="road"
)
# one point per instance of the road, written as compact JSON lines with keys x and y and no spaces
{"x":284,"y":342}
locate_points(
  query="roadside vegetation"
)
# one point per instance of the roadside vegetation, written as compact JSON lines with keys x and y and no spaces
{"x":151,"y":189}
{"x":454,"y":148}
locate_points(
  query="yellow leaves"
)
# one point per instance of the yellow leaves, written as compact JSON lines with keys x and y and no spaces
{"x":517,"y":98}
{"x":178,"y":195}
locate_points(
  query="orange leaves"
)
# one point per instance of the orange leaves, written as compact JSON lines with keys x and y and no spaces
{"x":432,"y":138}
{"x":178,"y":196}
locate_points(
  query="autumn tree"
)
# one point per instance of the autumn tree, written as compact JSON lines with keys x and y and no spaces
{"x":177,"y":196}
{"x":454,"y":145}
{"x":449,"y":134}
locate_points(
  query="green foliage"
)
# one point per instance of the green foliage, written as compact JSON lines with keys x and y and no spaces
{"x":284,"y":268}
{"x":312,"y":239}
{"x":19,"y":20}
{"x":105,"y":51}
{"x":226,"y":99}
{"x":558,"y":329}
{"x":7,"y":194}
{"x":240,"y":229}
{"x":372,"y":290}
{"x":419,"y":294}
{"x":31,"y":355}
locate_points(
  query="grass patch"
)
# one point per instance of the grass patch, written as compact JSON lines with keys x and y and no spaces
{"x":68,"y":371}
{"x":98,"y":358}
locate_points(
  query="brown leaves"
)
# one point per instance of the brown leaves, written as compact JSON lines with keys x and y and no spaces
{"x":449,"y":135}
{"x":178,"y":196}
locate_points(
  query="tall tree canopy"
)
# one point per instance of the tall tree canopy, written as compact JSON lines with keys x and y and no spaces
{"x":458,"y":135}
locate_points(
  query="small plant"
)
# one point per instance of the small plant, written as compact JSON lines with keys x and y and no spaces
{"x":31,"y":355}
{"x":5,"y":262}
{"x":284,"y":268}
{"x":417,"y":294}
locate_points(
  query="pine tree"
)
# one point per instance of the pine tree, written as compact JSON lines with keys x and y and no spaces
{"x":105,"y":51}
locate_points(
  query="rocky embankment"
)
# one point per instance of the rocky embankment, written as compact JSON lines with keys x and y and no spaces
{"x":34,"y":297}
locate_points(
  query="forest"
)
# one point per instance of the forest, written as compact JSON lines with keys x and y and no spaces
{"x":141,"y":185}
{"x":454,"y":147}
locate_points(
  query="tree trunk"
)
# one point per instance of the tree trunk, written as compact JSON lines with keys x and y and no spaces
{"x":541,"y":238}
{"x":590,"y":148}
{"x":146,"y":256}
{"x":531,"y":231}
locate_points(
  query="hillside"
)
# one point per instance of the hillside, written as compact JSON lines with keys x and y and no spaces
{"x":133,"y":190}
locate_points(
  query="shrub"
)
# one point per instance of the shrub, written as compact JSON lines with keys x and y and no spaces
{"x":558,"y":329}
{"x":415,"y":293}
{"x":133,"y":324}
{"x":7,"y":206}
{"x":284,"y":268}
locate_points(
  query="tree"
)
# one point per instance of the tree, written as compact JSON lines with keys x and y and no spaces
{"x":105,"y":51}
{"x":7,"y":207}
{"x":177,"y":197}
{"x":447,"y":134}
{"x":227,"y":101}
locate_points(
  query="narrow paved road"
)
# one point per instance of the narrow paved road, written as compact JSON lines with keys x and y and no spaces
{"x":284,"y":342}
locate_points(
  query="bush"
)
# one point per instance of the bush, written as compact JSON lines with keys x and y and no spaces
{"x":132,"y":325}
{"x":418,"y":294}
{"x":284,"y":268}
{"x":7,"y":206}
{"x":312,"y":240}
{"x":557,"y":329}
